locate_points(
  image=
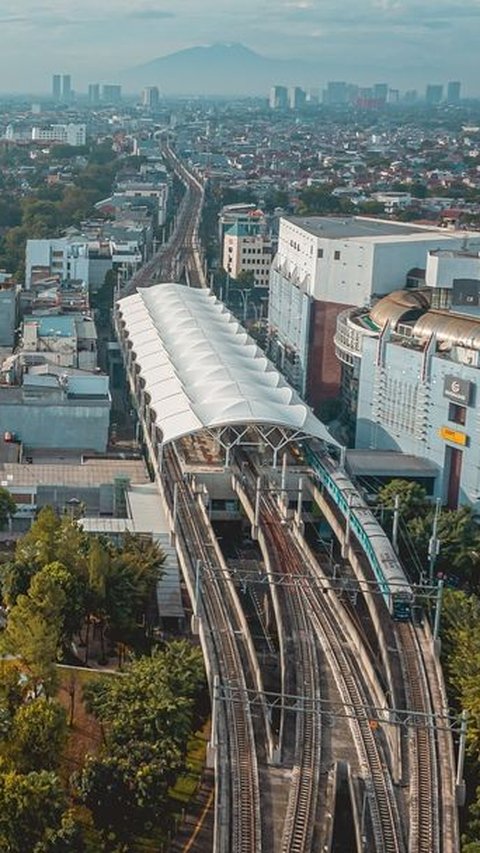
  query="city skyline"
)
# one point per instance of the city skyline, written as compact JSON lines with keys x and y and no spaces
{"x":361,"y":41}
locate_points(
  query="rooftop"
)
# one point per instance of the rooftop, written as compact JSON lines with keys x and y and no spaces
{"x":92,"y":472}
{"x":200,"y":368}
{"x":338,"y":228}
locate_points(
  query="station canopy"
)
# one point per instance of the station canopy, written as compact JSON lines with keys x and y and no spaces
{"x":202,"y":371}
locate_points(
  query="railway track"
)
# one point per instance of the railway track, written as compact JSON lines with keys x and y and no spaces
{"x":314,"y":611}
{"x":239,"y":783}
{"x":180,"y":255}
{"x":425,"y":798}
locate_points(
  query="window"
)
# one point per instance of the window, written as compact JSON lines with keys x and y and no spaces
{"x":336,"y":255}
{"x":320,"y":253}
{"x":457,"y":414}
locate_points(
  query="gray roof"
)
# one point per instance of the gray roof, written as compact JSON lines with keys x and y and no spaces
{"x":341,"y":227}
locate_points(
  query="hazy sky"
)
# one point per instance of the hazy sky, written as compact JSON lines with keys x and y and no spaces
{"x":401,"y":41}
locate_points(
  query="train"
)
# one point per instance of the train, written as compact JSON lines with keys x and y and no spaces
{"x":386,"y":567}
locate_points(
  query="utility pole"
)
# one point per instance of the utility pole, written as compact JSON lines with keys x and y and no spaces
{"x":438,"y":611}
{"x":461,"y":760}
{"x":434,"y":543}
{"x":396,"y":519}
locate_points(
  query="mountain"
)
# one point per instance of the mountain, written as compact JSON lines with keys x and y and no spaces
{"x":220,"y":69}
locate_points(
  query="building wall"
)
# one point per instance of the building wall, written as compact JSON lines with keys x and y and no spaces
{"x":241,"y":254}
{"x":324,"y":369}
{"x":8,"y":316}
{"x":402,"y":406}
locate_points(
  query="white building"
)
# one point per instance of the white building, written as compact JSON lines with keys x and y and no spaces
{"x":88,"y":260}
{"x":67,"y":134}
{"x":326,"y":264}
{"x":246,"y":249}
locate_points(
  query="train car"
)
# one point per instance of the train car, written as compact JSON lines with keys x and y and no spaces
{"x":388,"y":572}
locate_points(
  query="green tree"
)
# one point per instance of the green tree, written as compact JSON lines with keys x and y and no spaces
{"x":147,"y":717}
{"x":30,"y":806}
{"x":412,"y":498}
{"x":39,"y":545}
{"x":38,"y":735}
{"x":34,"y":629}
{"x":8,"y":507}
{"x":459,"y":538}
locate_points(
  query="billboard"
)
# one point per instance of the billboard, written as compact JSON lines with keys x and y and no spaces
{"x":458,"y":390}
{"x":466,"y":292}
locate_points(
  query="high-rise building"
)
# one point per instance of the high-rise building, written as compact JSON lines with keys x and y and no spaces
{"x":336,"y":93}
{"x":151,"y":97}
{"x":67,"y":88}
{"x":94,"y":94}
{"x":316,"y":275}
{"x":297,"y":98}
{"x":453,"y":92}
{"x":380,"y":92}
{"x":278,"y":98}
{"x":57,"y":86}
{"x":434,"y":94}
{"x":111,"y":94}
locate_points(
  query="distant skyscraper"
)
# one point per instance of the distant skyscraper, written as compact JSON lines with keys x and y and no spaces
{"x":296,"y":98}
{"x":380,"y":92}
{"x":278,"y":98}
{"x":57,"y":86}
{"x":433,"y":94}
{"x":453,"y":92}
{"x":336,"y":93}
{"x":411,"y":96}
{"x":111,"y":94}
{"x":67,"y":88}
{"x":94,"y":94}
{"x":151,"y":97}
{"x":393,"y":96}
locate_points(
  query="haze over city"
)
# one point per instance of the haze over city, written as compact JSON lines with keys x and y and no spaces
{"x":409,"y":42}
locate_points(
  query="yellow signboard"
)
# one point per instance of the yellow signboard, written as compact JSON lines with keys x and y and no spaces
{"x":453,"y":435}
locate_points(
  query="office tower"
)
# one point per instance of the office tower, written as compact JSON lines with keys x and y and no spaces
{"x":393,"y":96}
{"x":56,"y":86}
{"x":453,"y":92}
{"x":336,"y":93}
{"x":94,"y":94}
{"x":151,"y":97}
{"x":111,"y":94}
{"x":296,"y":98}
{"x":278,"y":98}
{"x":433,"y":94}
{"x":67,"y":88}
{"x":380,"y":92}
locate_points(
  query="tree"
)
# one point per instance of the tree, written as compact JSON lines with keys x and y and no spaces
{"x":459,"y":538}
{"x":40,"y":543}
{"x":147,"y":717}
{"x":38,"y":735}
{"x":412,"y":498}
{"x":75,"y":591}
{"x":8,"y":507}
{"x":30,"y":805}
{"x":34,"y":629}
{"x":245,"y":279}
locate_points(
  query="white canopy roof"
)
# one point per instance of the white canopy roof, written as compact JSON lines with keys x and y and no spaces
{"x":202,"y":370}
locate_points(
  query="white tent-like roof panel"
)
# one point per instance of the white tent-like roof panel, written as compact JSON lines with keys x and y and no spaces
{"x":202,"y":370}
